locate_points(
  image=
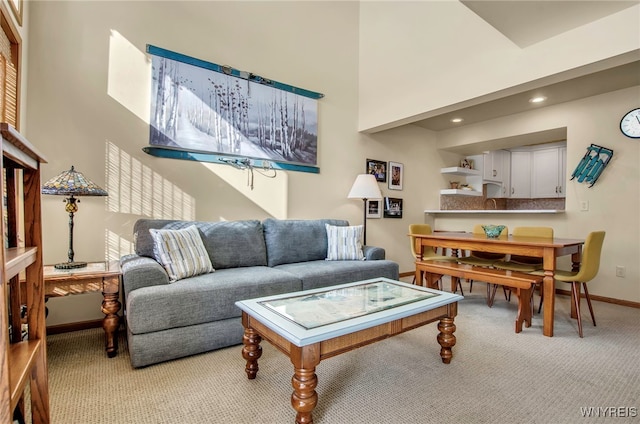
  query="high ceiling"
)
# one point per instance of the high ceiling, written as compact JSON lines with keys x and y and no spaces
{"x":529,"y":22}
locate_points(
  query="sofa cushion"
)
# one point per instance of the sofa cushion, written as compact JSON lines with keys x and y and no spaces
{"x":290,"y":240}
{"x":205,"y":298}
{"x":181,"y":252}
{"x":318,"y":274}
{"x":344,"y":243}
{"x":230,"y":244}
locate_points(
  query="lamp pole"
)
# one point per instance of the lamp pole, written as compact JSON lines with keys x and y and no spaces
{"x":72,"y":208}
{"x":364,"y":221}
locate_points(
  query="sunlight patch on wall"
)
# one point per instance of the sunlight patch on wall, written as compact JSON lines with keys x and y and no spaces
{"x":270,"y":194}
{"x":129,"y":78}
{"x":116,"y":246}
{"x":136,"y":189}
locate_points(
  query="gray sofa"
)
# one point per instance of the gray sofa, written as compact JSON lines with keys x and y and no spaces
{"x":251,"y":259}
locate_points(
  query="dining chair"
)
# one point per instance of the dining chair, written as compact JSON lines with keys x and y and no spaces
{"x":486,"y":259}
{"x":522,"y":263}
{"x":428,"y":253}
{"x":589,"y":266}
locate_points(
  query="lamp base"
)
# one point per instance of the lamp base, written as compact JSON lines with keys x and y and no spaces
{"x":70,"y":265}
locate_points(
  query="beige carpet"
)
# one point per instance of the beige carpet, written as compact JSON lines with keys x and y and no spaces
{"x":496,"y":376}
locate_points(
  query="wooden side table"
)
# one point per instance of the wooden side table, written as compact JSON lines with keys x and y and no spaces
{"x":96,"y":276}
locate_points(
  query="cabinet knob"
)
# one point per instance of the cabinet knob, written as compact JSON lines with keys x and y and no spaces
{"x":513,"y":190}
{"x":495,"y":173}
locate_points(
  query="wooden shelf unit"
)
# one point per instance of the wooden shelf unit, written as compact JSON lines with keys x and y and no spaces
{"x":22,"y":361}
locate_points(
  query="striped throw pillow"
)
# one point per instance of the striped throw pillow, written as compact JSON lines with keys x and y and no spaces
{"x":344,"y":243}
{"x":181,"y":252}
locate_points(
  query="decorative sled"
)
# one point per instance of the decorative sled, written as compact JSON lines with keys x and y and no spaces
{"x":592,"y":164}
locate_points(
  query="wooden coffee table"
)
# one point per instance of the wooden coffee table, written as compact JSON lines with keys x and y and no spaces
{"x":313,"y":325}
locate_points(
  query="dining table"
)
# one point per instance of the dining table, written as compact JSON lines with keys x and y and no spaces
{"x":549,"y":249}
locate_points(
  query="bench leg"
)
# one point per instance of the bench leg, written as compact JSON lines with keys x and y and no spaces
{"x":524,"y":308}
{"x":433,"y":280}
{"x":491,"y":294}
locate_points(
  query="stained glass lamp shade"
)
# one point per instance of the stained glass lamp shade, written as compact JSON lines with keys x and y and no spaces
{"x":72,"y":183}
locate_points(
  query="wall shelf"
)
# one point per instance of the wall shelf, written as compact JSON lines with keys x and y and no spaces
{"x":460,"y":192}
{"x":464,"y":172}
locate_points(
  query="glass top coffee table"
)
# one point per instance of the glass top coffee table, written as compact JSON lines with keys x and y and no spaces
{"x":312,"y":325}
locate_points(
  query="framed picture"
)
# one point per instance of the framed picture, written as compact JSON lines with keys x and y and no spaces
{"x":374,"y":208}
{"x":392,"y":207}
{"x":226,"y":115}
{"x":377,"y":168}
{"x":396,"y":172}
{"x":466,"y":163}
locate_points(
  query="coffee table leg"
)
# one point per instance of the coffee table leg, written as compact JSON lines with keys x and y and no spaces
{"x":252,"y":351}
{"x":304,"y":381}
{"x":446,"y":339}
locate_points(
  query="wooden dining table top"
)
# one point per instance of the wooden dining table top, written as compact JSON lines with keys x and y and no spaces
{"x":510,"y":239}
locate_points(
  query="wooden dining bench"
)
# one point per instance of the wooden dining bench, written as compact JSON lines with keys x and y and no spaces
{"x":520,"y":283}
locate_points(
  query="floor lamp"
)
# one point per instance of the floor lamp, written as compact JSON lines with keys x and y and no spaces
{"x":365,"y":187}
{"x":71,"y":183}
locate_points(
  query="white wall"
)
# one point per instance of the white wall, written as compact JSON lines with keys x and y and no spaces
{"x":420,"y":57}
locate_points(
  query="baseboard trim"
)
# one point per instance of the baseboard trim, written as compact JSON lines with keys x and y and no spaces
{"x":620,"y":302}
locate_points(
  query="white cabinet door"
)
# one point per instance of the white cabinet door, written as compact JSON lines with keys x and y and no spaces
{"x":562,"y":172}
{"x":494,"y":165}
{"x":506,"y":173}
{"x":547,"y":165}
{"x":521,"y":175}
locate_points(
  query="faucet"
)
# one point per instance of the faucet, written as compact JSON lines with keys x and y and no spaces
{"x":495,"y":205}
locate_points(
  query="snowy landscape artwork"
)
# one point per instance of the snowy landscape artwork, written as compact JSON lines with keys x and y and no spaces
{"x":199,"y":110}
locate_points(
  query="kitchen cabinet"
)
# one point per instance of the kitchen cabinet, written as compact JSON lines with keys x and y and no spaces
{"x":548,"y":174}
{"x":494,"y":164}
{"x":499,"y":186}
{"x":520,"y":174}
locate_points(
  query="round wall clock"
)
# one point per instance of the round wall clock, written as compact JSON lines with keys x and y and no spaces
{"x":630,"y":123}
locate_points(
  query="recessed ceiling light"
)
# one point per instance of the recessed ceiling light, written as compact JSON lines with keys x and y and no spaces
{"x":537,"y":99}
{"x":456,"y":120}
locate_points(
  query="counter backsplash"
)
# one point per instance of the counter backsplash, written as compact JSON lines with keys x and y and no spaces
{"x":448,"y":202}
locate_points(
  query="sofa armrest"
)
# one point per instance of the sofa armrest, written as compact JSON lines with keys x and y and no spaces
{"x":141,"y":271}
{"x":373,"y":253}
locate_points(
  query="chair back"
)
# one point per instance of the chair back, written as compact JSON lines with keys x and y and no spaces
{"x":477,"y":229}
{"x":542,"y":232}
{"x":420,"y":229}
{"x":590,"y":263}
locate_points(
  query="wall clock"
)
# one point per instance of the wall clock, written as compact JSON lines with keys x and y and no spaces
{"x":630,"y":123}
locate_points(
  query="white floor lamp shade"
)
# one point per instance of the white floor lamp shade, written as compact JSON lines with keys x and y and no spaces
{"x":365,"y":187}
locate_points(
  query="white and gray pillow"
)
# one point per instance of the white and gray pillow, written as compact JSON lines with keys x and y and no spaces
{"x":344,"y":243}
{"x":181,"y":252}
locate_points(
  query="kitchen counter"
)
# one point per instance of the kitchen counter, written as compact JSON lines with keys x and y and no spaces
{"x":495,"y":211}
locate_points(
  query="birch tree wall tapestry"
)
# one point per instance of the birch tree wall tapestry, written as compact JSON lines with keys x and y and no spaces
{"x":211,"y":111}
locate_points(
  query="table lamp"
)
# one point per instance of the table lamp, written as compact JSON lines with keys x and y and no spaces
{"x":365,"y":187}
{"x":71,"y":183}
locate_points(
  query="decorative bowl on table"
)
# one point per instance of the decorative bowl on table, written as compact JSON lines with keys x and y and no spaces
{"x":493,"y":231}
